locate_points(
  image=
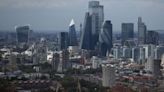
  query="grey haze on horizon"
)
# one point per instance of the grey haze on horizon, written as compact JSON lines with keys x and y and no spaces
{"x":56,"y":14}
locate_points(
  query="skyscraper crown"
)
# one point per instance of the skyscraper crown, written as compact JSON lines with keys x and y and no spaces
{"x":72,"y":23}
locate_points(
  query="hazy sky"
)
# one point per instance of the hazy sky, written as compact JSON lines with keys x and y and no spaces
{"x":56,"y":14}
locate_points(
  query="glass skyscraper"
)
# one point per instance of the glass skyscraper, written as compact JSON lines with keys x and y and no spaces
{"x":63,"y":40}
{"x":141,"y":31}
{"x":127,"y":32}
{"x":72,"y":34}
{"x":105,"y":38}
{"x":22,"y":33}
{"x":96,"y":12}
{"x":92,"y":26}
{"x":152,"y":37}
{"x":86,"y":37}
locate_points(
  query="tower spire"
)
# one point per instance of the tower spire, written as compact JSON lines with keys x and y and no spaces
{"x":72,"y":23}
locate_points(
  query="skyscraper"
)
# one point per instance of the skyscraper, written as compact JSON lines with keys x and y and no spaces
{"x":158,"y":52}
{"x":141,"y":31}
{"x":127,"y":32}
{"x":55,"y":61}
{"x":105,"y":38}
{"x":72,"y":34}
{"x":152,"y":37}
{"x":22,"y":33}
{"x":63,"y":40}
{"x":86,"y":37}
{"x":81,"y":29}
{"x":97,"y":17}
{"x":127,"y":52}
{"x":135,"y":54}
{"x":108,"y":76}
{"x":117,"y":52}
{"x":153,"y":65}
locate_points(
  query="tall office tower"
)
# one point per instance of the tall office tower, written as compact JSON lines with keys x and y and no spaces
{"x":138,"y":54}
{"x":81,"y":29}
{"x":141,"y":31}
{"x":55,"y":61}
{"x":105,"y":38}
{"x":162,"y":61}
{"x":152,"y":37}
{"x":22,"y":33}
{"x":65,"y":59}
{"x":158,"y":52}
{"x":117,"y":52}
{"x":135,"y":54}
{"x":12,"y":65}
{"x":63,"y":40}
{"x":127,"y":52}
{"x":86,"y":37}
{"x":31,"y":36}
{"x":153,"y":65}
{"x":96,"y":12}
{"x":127,"y":32}
{"x":162,"y":65}
{"x":108,"y":76}
{"x":72,"y":34}
{"x":142,"y":55}
{"x":149,"y":50}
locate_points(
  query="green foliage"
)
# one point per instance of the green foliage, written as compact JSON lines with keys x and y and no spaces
{"x":87,"y":71}
{"x":92,"y":87}
{"x":4,"y":85}
{"x":69,"y":84}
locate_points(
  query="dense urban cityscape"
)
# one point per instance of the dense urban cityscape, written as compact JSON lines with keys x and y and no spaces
{"x":89,"y":58}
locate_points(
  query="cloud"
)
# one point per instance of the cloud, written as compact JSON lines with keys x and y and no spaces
{"x":37,"y":3}
{"x":59,"y":3}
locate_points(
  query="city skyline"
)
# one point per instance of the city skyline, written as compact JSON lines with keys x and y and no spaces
{"x":56,"y":15}
{"x":87,"y":54}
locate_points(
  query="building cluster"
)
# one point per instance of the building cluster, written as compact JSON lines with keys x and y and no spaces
{"x":127,"y":62}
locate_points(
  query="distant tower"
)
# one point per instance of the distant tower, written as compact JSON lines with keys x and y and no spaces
{"x":65,"y":60}
{"x":141,"y":31}
{"x":108,"y":76}
{"x":105,"y":38}
{"x":158,"y":52}
{"x":63,"y":40}
{"x":55,"y":61}
{"x":127,"y":32}
{"x":135,"y":54}
{"x":152,"y":37}
{"x":162,"y":61}
{"x":153,"y":65}
{"x":22,"y":34}
{"x":72,"y":34}
{"x":86,"y":37}
{"x":81,"y":29}
{"x":127,"y":52}
{"x":117,"y":52}
{"x":96,"y":11}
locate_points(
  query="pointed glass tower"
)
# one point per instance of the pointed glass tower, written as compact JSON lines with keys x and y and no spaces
{"x":72,"y":34}
{"x":86,"y":37}
{"x":105,"y":38}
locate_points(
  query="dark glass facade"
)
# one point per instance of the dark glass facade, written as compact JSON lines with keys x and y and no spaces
{"x":86,"y":38}
{"x":105,"y":38}
{"x":127,"y":32}
{"x":141,"y":31}
{"x":152,"y":37}
{"x":63,"y":40}
{"x":72,"y":35}
{"x":22,"y":34}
